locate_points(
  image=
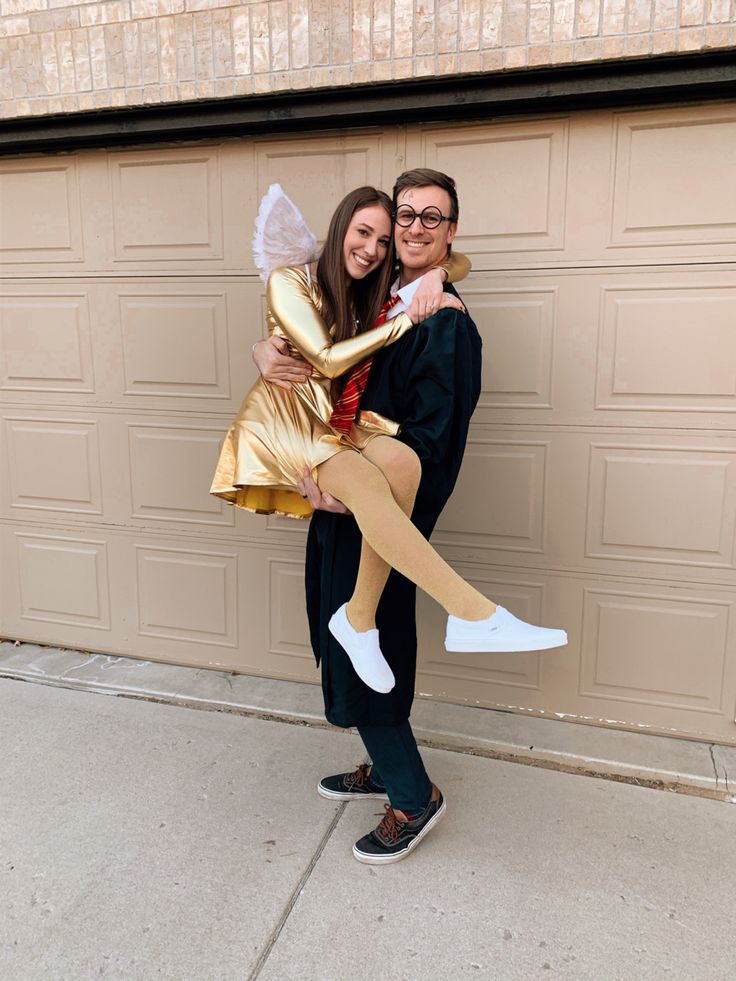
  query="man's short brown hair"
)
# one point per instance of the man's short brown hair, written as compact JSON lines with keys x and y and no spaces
{"x":425,"y":177}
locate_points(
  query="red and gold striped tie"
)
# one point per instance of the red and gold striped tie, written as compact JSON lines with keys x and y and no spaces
{"x":346,"y":407}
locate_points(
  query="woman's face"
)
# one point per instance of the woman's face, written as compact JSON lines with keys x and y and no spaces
{"x":366,"y":241}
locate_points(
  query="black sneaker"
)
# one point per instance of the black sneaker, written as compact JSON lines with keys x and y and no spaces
{"x":393,"y":839}
{"x":348,"y":786}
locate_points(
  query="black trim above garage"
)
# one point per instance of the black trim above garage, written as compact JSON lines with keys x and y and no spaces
{"x":601,"y":84}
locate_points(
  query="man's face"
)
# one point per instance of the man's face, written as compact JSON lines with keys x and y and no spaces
{"x":419,"y":248}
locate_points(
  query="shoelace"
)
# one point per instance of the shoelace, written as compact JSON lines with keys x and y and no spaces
{"x":359,"y":777}
{"x":388,"y":829}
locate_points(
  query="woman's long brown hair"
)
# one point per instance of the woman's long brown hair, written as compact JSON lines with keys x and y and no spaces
{"x":346,"y":300}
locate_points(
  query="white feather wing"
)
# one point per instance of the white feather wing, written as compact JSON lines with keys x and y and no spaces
{"x":282,"y":236}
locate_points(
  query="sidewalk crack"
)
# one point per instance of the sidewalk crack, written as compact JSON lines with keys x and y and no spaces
{"x":292,"y":901}
{"x":711,"y":747}
{"x":725,"y":771}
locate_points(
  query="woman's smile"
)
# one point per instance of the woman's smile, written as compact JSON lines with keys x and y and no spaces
{"x":367,"y":263}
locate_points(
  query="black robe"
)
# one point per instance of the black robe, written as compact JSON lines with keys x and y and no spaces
{"x":429,"y":382}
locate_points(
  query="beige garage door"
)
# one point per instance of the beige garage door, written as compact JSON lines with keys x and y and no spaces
{"x":599,"y":487}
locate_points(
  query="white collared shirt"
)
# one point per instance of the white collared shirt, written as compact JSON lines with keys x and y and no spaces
{"x":406,"y":293}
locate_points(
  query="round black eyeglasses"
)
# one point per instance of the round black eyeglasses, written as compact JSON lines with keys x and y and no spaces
{"x":430,"y":217}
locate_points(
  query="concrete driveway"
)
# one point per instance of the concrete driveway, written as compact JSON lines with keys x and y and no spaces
{"x":146,"y":841}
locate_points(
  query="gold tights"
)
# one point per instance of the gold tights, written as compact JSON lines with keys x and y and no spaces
{"x":379,"y":486}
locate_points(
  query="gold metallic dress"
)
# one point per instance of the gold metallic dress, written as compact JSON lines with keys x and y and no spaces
{"x":278,"y":432}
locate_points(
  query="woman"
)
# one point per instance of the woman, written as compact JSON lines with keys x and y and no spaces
{"x":324,"y":312}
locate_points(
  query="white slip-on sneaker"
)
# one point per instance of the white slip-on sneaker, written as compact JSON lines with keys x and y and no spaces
{"x":501,"y":632}
{"x":364,"y":652}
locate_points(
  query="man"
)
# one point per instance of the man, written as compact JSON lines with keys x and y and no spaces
{"x":428,"y":382}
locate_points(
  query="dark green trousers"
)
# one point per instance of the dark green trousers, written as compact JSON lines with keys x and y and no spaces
{"x":397,"y":765}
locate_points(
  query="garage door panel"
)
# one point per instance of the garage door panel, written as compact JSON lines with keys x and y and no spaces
{"x":511,"y":181}
{"x":42,"y":219}
{"x":673,"y":181}
{"x":169,"y":475}
{"x":167,"y":206}
{"x":665,"y":351}
{"x":295,"y":529}
{"x":270,"y":528}
{"x":627,"y":351}
{"x":645,"y":647}
{"x":657,"y":505}
{"x":167,"y":345}
{"x":288,"y":630}
{"x":662,"y":503}
{"x":157,"y":475}
{"x":650,"y":357}
{"x":517,"y":326}
{"x":499,"y":501}
{"x":539,"y":341}
{"x":187,"y":594}
{"x":52,"y":464}
{"x":59,"y":581}
{"x":275,"y":640}
{"x":45,"y":340}
{"x":520,"y":500}
{"x":175,"y":343}
{"x":657,"y":657}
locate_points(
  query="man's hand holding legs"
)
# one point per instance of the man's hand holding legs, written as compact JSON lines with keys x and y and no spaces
{"x":319,"y":501}
{"x":277,"y":365}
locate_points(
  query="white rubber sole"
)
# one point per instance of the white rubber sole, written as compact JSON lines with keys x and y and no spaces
{"x":336,"y":795}
{"x":400,"y":856}
{"x":469,"y":646}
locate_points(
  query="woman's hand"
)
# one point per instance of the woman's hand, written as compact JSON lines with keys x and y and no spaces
{"x":426,"y":299}
{"x":319,"y":501}
{"x":277,"y":365}
{"x":448,"y":301}
{"x":430,"y":297}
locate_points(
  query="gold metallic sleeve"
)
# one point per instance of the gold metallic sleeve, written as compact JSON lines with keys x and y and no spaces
{"x":292,"y":306}
{"x":457,"y":266}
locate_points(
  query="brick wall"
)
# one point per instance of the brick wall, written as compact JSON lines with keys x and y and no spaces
{"x":73,"y":55}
